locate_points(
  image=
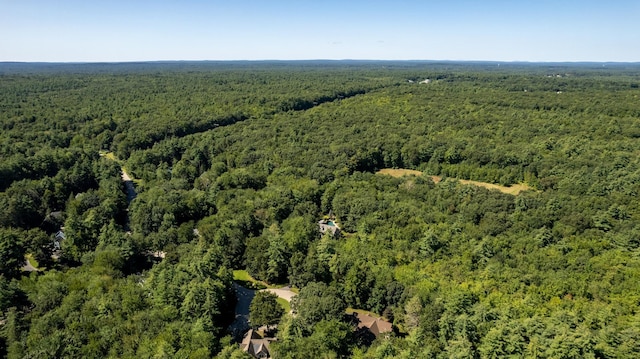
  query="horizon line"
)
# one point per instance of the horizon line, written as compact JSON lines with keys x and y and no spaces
{"x":325,"y":60}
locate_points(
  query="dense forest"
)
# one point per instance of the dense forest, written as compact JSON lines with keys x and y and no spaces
{"x":234,"y":164}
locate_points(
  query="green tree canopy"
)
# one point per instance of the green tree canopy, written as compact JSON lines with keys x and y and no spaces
{"x":11,"y":252}
{"x":317,"y":302}
{"x":265,"y":309}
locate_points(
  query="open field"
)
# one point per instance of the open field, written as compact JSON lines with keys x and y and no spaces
{"x":399,"y":172}
{"x":513,"y":190}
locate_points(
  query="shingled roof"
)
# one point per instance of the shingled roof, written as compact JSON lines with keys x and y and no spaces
{"x":376,"y":326}
{"x":254,"y":344}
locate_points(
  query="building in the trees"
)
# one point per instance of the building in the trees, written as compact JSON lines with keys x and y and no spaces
{"x":369,"y":328}
{"x":59,"y":237}
{"x":254,"y":344}
{"x":329,"y":225}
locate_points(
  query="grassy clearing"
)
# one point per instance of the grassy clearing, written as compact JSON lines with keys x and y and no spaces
{"x":246,"y":280}
{"x":350,"y":310}
{"x":399,"y":172}
{"x":108,"y":155}
{"x":512,"y":190}
{"x":242,"y":275}
{"x":33,"y":261}
{"x":284,"y":304}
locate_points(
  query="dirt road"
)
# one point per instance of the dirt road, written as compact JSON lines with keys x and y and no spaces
{"x":128,"y":183}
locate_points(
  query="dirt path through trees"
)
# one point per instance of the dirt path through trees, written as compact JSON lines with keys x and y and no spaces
{"x":130,"y":187}
{"x":513,"y":189}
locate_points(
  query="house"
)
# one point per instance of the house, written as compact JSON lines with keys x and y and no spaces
{"x":370,"y":328}
{"x":327,"y":225}
{"x":58,"y":238}
{"x":254,"y":344}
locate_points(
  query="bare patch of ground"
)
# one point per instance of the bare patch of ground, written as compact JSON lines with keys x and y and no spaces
{"x":399,"y":172}
{"x":512,"y":190}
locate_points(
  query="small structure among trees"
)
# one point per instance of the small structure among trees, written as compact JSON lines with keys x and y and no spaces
{"x":377,"y":326}
{"x":254,"y":344}
{"x":369,"y":328}
{"x":329,"y":225}
{"x":263,"y":311}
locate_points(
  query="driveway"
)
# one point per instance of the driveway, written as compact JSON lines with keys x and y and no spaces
{"x":245,"y":295}
{"x":241,"y":322}
{"x":284,"y":293}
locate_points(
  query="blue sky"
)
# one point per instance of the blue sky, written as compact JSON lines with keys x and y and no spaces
{"x":500,"y":30}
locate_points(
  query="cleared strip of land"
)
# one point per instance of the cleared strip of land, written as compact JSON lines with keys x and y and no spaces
{"x":399,"y":172}
{"x":513,"y":190}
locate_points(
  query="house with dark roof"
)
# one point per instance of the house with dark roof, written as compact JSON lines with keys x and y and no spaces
{"x":58,"y":238}
{"x":369,"y":328}
{"x":377,"y":326}
{"x":254,"y":344}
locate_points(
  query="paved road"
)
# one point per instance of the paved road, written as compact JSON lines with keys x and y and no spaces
{"x":284,"y":293}
{"x":245,"y":296}
{"x":241,"y":323}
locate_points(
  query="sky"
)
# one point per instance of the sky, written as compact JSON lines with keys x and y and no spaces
{"x":489,"y":30}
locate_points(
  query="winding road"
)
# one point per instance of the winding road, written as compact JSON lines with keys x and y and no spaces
{"x":245,"y":296}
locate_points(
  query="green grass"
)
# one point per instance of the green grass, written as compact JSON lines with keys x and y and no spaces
{"x":284,"y":304}
{"x":108,"y":155}
{"x":112,"y":157}
{"x":33,"y":261}
{"x":246,"y":280}
{"x":242,"y":275}
{"x":350,"y":310}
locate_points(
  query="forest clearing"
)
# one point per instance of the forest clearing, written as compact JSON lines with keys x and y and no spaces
{"x":514,"y":189}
